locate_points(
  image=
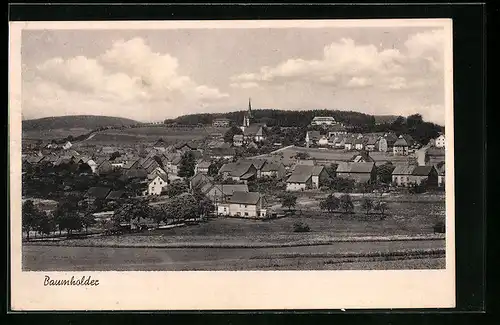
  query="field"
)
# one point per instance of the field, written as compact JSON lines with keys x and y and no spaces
{"x":364,"y":255}
{"x":336,"y":155}
{"x":152,"y":134}
{"x":52,"y":134}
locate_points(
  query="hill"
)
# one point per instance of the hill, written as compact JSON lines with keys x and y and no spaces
{"x":382,"y":119}
{"x":89,"y":122}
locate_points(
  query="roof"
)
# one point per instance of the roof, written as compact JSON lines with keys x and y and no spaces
{"x":236,"y":169}
{"x":422,"y":170}
{"x":98,"y":192}
{"x":323,"y":118}
{"x":271,"y":166}
{"x":401,"y":142}
{"x":253,"y":129}
{"x":229,"y":189}
{"x":302,"y":173}
{"x":245,"y":197}
{"x":257,"y":163}
{"x":222,"y":151}
{"x":159,"y":142}
{"x":371,"y":141}
{"x":362,"y":155}
{"x":238,"y":137}
{"x":221,"y":119}
{"x":199,"y":179}
{"x":403,"y":170}
{"x":115,"y":194}
{"x":164,"y":177}
{"x":136,"y":173}
{"x":130,"y":163}
{"x":191,"y":145}
{"x":355,"y":167}
{"x":204,"y":164}
{"x":315,"y":135}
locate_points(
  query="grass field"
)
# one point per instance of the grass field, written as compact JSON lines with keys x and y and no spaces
{"x":53,"y":134}
{"x":355,"y":256}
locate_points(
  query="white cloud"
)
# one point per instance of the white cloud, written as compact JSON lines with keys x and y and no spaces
{"x":244,"y":85}
{"x":126,"y":77}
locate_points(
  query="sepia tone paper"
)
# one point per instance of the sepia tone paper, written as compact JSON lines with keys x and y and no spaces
{"x":226,"y":290}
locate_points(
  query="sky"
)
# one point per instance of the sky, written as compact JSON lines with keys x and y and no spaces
{"x":150,"y":75}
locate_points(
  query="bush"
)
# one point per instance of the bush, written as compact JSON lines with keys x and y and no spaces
{"x":440,"y":227}
{"x":300,"y":227}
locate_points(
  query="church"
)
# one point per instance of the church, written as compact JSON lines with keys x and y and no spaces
{"x":252,"y":132}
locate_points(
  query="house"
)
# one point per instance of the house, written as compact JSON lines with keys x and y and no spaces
{"x":323,"y":141}
{"x":382,"y":144}
{"x":238,"y":171}
{"x":243,"y":204}
{"x":134,"y":173}
{"x":440,"y":142}
{"x":257,"y":163}
{"x":336,"y":129}
{"x":172,"y":164}
{"x":156,"y":185}
{"x":363,"y":172}
{"x":425,"y":173}
{"x":312,"y":138}
{"x":362,"y":156}
{"x":273,"y":169}
{"x":401,"y":147}
{"x":401,"y":175}
{"x":359,"y":144}
{"x":108,"y":150}
{"x":156,"y":172}
{"x":160,"y":145}
{"x":349,"y":143}
{"x":97,"y":193}
{"x":306,"y":177}
{"x":104,"y":167}
{"x":215,"y":143}
{"x":134,"y":163}
{"x":221,"y":123}
{"x":323,"y":120}
{"x":67,"y":145}
{"x":390,"y":139}
{"x":370,"y":144}
{"x":220,"y":193}
{"x":185,"y":146}
{"x":116,"y":195}
{"x":238,"y":140}
{"x":222,"y":153}
{"x":202,"y":167}
{"x":441,"y":176}
{"x":198,"y":180}
{"x":406,"y":175}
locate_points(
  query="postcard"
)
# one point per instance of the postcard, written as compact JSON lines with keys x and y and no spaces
{"x":231,"y":165}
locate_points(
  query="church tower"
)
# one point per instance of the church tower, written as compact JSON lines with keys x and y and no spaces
{"x":248,"y":115}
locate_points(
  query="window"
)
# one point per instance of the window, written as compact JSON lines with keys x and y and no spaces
{"x":245,"y":206}
{"x":154,"y":183}
{"x":246,"y":214}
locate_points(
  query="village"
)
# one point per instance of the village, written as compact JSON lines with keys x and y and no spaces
{"x":217,"y":178}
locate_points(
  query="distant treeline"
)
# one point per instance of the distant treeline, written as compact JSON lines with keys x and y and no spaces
{"x":274,"y":117}
{"x":356,"y":122}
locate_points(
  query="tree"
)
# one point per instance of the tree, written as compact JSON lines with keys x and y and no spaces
{"x":29,"y":217}
{"x":228,"y":136}
{"x":187,"y":165}
{"x":114,"y":155}
{"x":45,"y":224}
{"x":380,"y":206}
{"x":302,"y":155}
{"x":176,"y":188}
{"x":346,"y":203}
{"x":330,"y":203}
{"x":88,"y":220}
{"x":384,"y":173}
{"x":214,"y":168}
{"x":367,"y":204}
{"x":205,"y":207}
{"x":158,"y":215}
{"x":288,"y":200}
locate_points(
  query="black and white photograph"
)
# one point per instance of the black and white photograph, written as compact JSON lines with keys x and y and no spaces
{"x":246,"y":148}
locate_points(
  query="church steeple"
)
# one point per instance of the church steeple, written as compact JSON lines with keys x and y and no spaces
{"x":249,"y":107}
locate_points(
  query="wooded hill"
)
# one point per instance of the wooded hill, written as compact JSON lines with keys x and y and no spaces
{"x":90,"y":122}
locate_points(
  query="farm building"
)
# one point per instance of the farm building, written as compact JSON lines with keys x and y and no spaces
{"x":272,"y":169}
{"x":221,"y":122}
{"x":359,"y":171}
{"x":222,"y":192}
{"x":97,"y":193}
{"x":156,"y":185}
{"x":401,"y":146}
{"x":222,"y":153}
{"x":243,"y":204}
{"x":202,"y":167}
{"x":306,"y":177}
{"x":410,"y":174}
{"x":238,"y":171}
{"x":323,"y":120}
